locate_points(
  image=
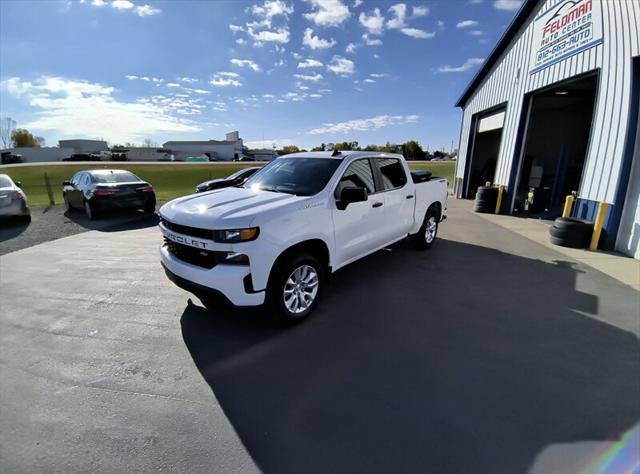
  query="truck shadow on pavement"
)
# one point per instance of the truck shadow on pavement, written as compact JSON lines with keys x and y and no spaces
{"x":462,"y":359}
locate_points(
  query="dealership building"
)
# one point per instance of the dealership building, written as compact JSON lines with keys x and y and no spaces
{"x":554,"y":111}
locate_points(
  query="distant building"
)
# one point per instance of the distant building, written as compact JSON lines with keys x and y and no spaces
{"x":84,"y":146}
{"x":144,"y":153}
{"x":216,"y":150}
{"x":262,"y":155}
{"x":41,"y":154}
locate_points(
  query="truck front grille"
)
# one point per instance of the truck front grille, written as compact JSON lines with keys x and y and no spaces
{"x":194,"y":256}
{"x":186,"y":230}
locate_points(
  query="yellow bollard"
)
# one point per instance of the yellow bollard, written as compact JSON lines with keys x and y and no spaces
{"x":597,"y":225}
{"x":568,"y":204}
{"x":499,"y":201}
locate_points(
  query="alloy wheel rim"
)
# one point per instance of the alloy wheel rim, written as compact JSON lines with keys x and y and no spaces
{"x":430,"y":231}
{"x":301,"y":289}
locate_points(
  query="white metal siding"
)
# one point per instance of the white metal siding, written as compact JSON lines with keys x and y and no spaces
{"x":509,"y":81}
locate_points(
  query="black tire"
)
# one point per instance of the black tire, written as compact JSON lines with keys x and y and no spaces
{"x":90,"y":211}
{"x":484,"y":209}
{"x":572,"y":223}
{"x":422,"y":240}
{"x":280,"y":284}
{"x":486,"y":193}
{"x":150,"y":207}
{"x":67,"y":206}
{"x":570,"y":233}
{"x":571,"y":243}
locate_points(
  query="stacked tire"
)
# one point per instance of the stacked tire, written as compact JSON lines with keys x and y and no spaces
{"x":486,"y":199}
{"x":570,"y":232}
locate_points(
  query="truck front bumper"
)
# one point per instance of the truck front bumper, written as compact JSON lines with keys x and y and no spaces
{"x":222,"y":281}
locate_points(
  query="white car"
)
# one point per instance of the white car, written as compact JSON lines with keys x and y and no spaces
{"x":13,"y":201}
{"x":300,"y":218}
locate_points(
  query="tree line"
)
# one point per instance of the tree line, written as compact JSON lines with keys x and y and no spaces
{"x":411,"y":150}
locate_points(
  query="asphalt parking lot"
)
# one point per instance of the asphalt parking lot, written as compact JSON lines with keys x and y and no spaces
{"x":487,"y":354}
{"x":53,"y":222}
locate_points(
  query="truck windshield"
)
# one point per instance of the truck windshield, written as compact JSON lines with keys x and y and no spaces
{"x":299,"y":176}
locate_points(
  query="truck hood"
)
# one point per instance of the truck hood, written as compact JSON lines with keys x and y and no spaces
{"x":226,"y":208}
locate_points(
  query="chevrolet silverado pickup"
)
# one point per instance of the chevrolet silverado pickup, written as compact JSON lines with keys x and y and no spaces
{"x":275,"y":239}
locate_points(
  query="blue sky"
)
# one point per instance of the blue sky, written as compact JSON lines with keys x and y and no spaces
{"x":280,"y":72}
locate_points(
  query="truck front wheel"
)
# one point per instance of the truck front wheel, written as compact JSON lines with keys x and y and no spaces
{"x":295,"y":287}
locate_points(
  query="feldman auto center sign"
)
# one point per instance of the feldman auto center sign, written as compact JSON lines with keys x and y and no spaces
{"x":567,"y":28}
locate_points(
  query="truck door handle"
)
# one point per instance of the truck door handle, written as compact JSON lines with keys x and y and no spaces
{"x":410,"y":196}
{"x":377,"y":204}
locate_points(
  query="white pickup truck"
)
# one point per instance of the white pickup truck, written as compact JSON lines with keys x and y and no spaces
{"x":276,"y":238}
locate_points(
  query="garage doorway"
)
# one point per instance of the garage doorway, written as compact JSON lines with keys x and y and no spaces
{"x":485,"y":148}
{"x":556,"y":144}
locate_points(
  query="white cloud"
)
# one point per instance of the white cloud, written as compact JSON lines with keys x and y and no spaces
{"x":399,"y":12}
{"x":315,"y":42}
{"x":225,"y":79}
{"x":308,"y":77}
{"x":378,"y":75}
{"x":508,"y":5}
{"x":351,"y":48}
{"x":357,"y":3}
{"x":235,"y":28}
{"x":97,"y":3}
{"x":122,"y":4}
{"x":279,"y":35}
{"x":441,"y":24}
{"x":363,"y":125}
{"x":374,"y":23}
{"x":271,"y":8}
{"x":80,"y":108}
{"x":371,"y":42}
{"x":476,"y":2}
{"x":246,"y":63}
{"x":420,"y":11}
{"x":328,"y":12}
{"x":417,"y":33}
{"x":173,"y":85}
{"x":241,"y":41}
{"x":468,"y":64}
{"x":369,"y":81}
{"x":147,"y":10}
{"x":476,"y":33}
{"x":341,"y":66}
{"x":466,"y":24}
{"x":188,"y":80}
{"x":309,"y":63}
{"x":275,"y":142}
{"x":131,"y":77}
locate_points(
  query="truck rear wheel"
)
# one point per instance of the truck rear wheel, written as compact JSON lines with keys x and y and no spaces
{"x":428,"y":231}
{"x":295,"y":286}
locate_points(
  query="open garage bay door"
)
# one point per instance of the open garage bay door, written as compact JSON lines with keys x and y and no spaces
{"x":556,"y":145}
{"x":481,"y":166}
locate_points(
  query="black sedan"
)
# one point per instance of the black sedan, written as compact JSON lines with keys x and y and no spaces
{"x":97,"y":191}
{"x":236,"y":179}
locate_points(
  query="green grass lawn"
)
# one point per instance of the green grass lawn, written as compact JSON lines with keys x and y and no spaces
{"x":169,"y":180}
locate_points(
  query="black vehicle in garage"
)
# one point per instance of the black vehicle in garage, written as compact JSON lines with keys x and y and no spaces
{"x":97,"y":191}
{"x":236,"y":179}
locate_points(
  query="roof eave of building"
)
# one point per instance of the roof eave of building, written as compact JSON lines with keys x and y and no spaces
{"x":512,"y":30}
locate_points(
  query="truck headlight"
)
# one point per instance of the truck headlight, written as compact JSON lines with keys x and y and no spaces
{"x":236,"y":235}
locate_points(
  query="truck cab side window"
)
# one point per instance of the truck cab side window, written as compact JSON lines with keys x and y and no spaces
{"x":392,"y":172}
{"x":357,"y":174}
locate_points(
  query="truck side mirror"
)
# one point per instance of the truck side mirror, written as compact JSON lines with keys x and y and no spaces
{"x":19,"y":184}
{"x":66,"y":183}
{"x":351,"y":194}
